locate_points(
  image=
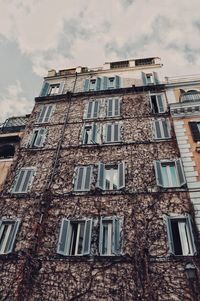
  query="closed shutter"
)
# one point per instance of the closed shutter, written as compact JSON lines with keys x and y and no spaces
{"x":27,"y":179}
{"x":116,"y":135}
{"x":79,"y":178}
{"x":108,"y":133}
{"x":158,"y":171}
{"x":105,"y":83}
{"x":96,"y":109}
{"x":117,"y":107}
{"x":156,"y":80}
{"x":87,"y":237}
{"x":94,"y":133}
{"x":117,"y":82}
{"x":18,"y":183}
{"x":23,"y":180}
{"x":169,"y":235}
{"x":48,"y":113}
{"x":110,"y":107}
{"x":45,"y":90}
{"x":89,"y":109}
{"x":144,"y":78}
{"x":157,"y":130}
{"x":40,"y":138}
{"x":98,"y":84}
{"x":195,"y":131}
{"x":189,"y":223}
{"x":180,"y":172}
{"x":160,"y":104}
{"x":88,"y":172}
{"x":166,"y":128}
{"x":116,"y":245}
{"x":101,"y":172}
{"x":121,"y":174}
{"x":61,"y":88}
{"x":12,"y":237}
{"x":86,"y":85}
{"x":64,"y":238}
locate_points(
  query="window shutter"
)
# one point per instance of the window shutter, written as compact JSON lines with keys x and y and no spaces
{"x":110,"y":107}
{"x":48,"y":113}
{"x":61,"y":87}
{"x":11,"y":241}
{"x":94,"y":133}
{"x":144,"y":78}
{"x":116,"y":236}
{"x":88,"y":172}
{"x":101,"y":236}
{"x":169,"y":235}
{"x":108,"y":133}
{"x":87,"y":237}
{"x":158,"y":171}
{"x":63,"y":242}
{"x":23,"y":180}
{"x":98,"y":84}
{"x":105,"y":83}
{"x":86,"y":85}
{"x":100,"y":180}
{"x":195,"y":131}
{"x":189,"y":223}
{"x":19,"y":181}
{"x":121,"y":174}
{"x":180,"y":171}
{"x":45,"y":89}
{"x":117,"y":107}
{"x":89,"y":109}
{"x":42,"y":114}
{"x":40,"y":137}
{"x":27,"y":179}
{"x":116,"y":128}
{"x":79,"y":178}
{"x":96,"y":109}
{"x":157,"y":130}
{"x":166,"y":128}
{"x":156,"y":80}
{"x":117,"y":82}
{"x":160,"y":104}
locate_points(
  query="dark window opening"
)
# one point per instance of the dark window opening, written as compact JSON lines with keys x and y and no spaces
{"x":154,"y":104}
{"x":176,"y":238}
{"x":141,"y":62}
{"x":122,"y":64}
{"x":7,"y":151}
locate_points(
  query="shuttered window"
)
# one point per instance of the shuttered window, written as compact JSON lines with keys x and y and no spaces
{"x":92,"y":109}
{"x":52,"y":89}
{"x":75,"y":237}
{"x":82,"y":178}
{"x":113,"y":107}
{"x":8,"y":232}
{"x":161,"y":129}
{"x":169,"y":173}
{"x":180,"y":235}
{"x":23,"y":180}
{"x":37,"y":138}
{"x":93,"y":84}
{"x":110,"y":236}
{"x":103,"y":83}
{"x":150,"y":78}
{"x":195,"y":130}
{"x":111,"y":176}
{"x":89,"y":135}
{"x":112,"y":133}
{"x":45,"y":114}
{"x":157,"y":103}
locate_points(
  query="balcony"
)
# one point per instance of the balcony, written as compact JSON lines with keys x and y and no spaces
{"x":190,"y":96}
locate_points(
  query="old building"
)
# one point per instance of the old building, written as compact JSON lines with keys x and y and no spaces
{"x":97,"y":206}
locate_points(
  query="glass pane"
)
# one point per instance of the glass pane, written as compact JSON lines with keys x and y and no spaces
{"x":164,"y":176}
{"x":80,"y":238}
{"x":174,"y":182}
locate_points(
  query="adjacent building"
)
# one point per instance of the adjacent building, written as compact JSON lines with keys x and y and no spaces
{"x":98,"y":205}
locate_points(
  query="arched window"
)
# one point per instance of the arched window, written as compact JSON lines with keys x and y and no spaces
{"x":190,"y":95}
{"x":7,"y":151}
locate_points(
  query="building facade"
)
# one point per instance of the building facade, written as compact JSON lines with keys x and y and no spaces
{"x":97,"y":206}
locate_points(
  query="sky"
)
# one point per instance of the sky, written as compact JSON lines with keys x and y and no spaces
{"x":39,"y":35}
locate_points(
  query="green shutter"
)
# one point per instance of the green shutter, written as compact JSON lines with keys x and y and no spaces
{"x":180,"y":172}
{"x":160,"y":104}
{"x":117,"y":82}
{"x":158,"y":171}
{"x":45,"y":89}
{"x":86,"y":85}
{"x":189,"y":223}
{"x":64,"y":238}
{"x":121,"y":175}
{"x":116,"y":244}
{"x":167,"y":219}
{"x":11,"y":241}
{"x":144,"y":79}
{"x":87,"y":237}
{"x":87,"y":179}
{"x":100,"y":180}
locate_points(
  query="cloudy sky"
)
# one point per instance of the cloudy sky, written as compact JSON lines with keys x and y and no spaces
{"x":38,"y":35}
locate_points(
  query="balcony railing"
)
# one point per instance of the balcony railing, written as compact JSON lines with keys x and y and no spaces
{"x":193,"y":96}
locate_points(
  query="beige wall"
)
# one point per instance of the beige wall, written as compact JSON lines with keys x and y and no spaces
{"x":5,"y":165}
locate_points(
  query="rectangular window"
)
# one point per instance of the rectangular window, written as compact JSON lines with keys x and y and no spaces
{"x":195,"y":130}
{"x":51,"y":89}
{"x":45,"y":114}
{"x":82,"y":178}
{"x":75,"y":237}
{"x":122,"y":64}
{"x":169,"y":173}
{"x":111,"y":176}
{"x":23,"y":180}
{"x":92,"y":109}
{"x":113,"y":107}
{"x":8,"y":231}
{"x":150,"y":78}
{"x":89,"y":135}
{"x":54,"y":89}
{"x":157,"y":103}
{"x":112,"y":133}
{"x":109,"y":239}
{"x":93,"y":84}
{"x":180,"y":235}
{"x":38,"y":138}
{"x":161,"y":129}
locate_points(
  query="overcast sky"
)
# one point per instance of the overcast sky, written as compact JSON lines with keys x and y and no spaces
{"x":38,"y":35}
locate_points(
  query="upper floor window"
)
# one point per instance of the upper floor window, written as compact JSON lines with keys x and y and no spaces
{"x":52,"y":89}
{"x":150,"y":78}
{"x":111,"y":176}
{"x":169,"y":173}
{"x":180,"y":235}
{"x":195,"y":130}
{"x":8,"y":232}
{"x":82,"y":178}
{"x":7,"y":151}
{"x":161,"y":129}
{"x":112,"y":133}
{"x":102,"y":83}
{"x":92,"y":109}
{"x":157,"y":103}
{"x":89,"y":134}
{"x":113,"y":107}
{"x":23,"y":180}
{"x":37,"y":138}
{"x":93,"y":84}
{"x":75,"y":237}
{"x":45,"y":114}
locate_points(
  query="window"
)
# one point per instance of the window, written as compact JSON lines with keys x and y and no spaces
{"x":103,"y":83}
{"x":82,"y":178}
{"x":161,"y":129}
{"x":142,"y":62}
{"x":113,"y":82}
{"x":157,"y":103}
{"x":110,"y":238}
{"x":150,"y":78}
{"x":93,"y":84}
{"x":37,"y":138}
{"x":75,"y":237}
{"x":92,"y":109}
{"x":8,"y":231}
{"x":45,"y":114}
{"x":180,"y":235}
{"x":89,"y":135}
{"x":195,"y":130}
{"x":112,"y":133}
{"x":122,"y":64}
{"x":52,"y":89}
{"x":23,"y":180}
{"x":111,"y":176}
{"x":169,"y":173}
{"x":113,"y":107}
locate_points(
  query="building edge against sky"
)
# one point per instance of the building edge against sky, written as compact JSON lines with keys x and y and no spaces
{"x":102,"y":199}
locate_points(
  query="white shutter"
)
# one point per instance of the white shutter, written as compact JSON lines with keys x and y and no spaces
{"x":158,"y":172}
{"x":64,"y":238}
{"x":42,"y":114}
{"x":40,"y":138}
{"x":23,"y":180}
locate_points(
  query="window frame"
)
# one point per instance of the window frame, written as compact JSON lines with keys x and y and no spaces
{"x":36,"y":134}
{"x":45,"y":113}
{"x":76,"y":179}
{"x":159,"y":123}
{"x":160,"y":102}
{"x":91,"y":112}
{"x":47,"y":88}
{"x":22,"y":173}
{"x":12,"y":233}
{"x":112,"y":133}
{"x":113,"y":107}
